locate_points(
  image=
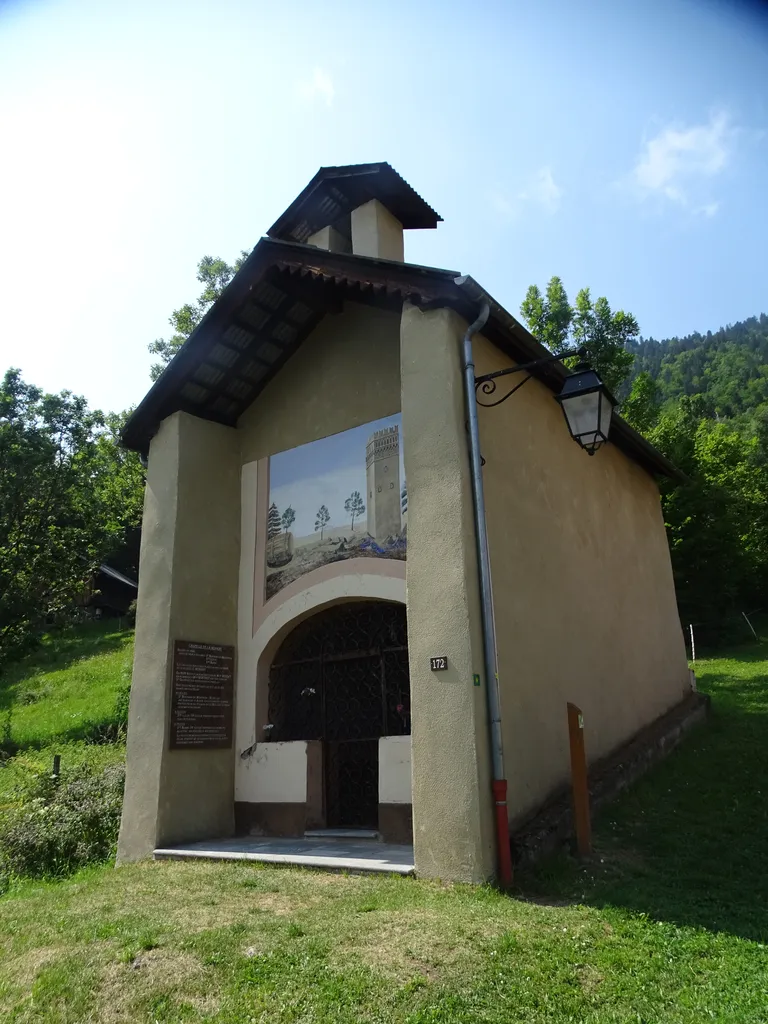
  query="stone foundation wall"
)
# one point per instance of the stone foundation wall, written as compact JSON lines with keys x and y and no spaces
{"x":551,"y":826}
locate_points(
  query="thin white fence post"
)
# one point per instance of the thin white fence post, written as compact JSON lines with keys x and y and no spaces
{"x":693,"y":644}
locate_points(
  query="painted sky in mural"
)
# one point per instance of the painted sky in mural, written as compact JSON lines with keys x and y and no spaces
{"x":340,"y":497}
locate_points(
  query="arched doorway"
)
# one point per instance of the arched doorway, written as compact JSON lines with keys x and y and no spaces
{"x":341,"y":677}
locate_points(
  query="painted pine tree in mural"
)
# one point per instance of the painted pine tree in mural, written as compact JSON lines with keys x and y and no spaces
{"x":354,"y":506}
{"x":288,"y":519}
{"x":322,"y":520}
{"x":273,"y":521}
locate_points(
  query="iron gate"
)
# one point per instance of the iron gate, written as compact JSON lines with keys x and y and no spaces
{"x":342,"y":677}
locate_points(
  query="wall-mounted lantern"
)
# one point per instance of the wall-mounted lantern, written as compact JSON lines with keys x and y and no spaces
{"x":587,"y":405}
{"x":586,"y":402}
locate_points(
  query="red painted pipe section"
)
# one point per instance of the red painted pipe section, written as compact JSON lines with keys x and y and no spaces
{"x":504,"y":849}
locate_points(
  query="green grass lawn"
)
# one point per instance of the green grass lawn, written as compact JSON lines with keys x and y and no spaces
{"x":61,"y":699}
{"x":667,"y":922}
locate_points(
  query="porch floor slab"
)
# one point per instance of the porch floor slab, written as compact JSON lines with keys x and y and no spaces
{"x":330,"y":854}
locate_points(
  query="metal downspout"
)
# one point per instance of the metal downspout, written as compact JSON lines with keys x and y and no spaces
{"x":499,"y":784}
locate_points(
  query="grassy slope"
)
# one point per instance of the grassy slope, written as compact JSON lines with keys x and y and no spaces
{"x":59,"y":696}
{"x":667,"y":923}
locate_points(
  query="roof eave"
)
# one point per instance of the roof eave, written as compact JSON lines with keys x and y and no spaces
{"x":134,"y":435}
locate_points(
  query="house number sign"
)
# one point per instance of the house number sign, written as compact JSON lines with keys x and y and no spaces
{"x":438,"y":664}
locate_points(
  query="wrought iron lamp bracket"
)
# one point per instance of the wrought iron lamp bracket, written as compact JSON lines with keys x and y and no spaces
{"x":488,"y":387}
{"x":486,"y":384}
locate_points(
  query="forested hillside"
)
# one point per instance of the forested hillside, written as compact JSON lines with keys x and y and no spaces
{"x":703,"y":400}
{"x":728,"y":369}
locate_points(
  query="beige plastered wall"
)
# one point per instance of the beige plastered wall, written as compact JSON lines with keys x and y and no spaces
{"x":190,"y":553}
{"x":453,"y":828}
{"x":583,"y":592}
{"x":345,"y":374}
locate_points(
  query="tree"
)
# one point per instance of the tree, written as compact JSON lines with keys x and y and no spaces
{"x":288,"y":519}
{"x":273,"y":521}
{"x":214,"y":274}
{"x":728,"y":368}
{"x":68,"y":493}
{"x":548,"y":316}
{"x":322,"y":520}
{"x":354,"y":506}
{"x":641,"y":409}
{"x":595,"y":326}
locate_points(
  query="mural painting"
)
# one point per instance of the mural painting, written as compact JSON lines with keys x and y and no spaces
{"x":341,"y":497}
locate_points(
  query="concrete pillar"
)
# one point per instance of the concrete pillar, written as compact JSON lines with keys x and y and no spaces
{"x":330,"y":238}
{"x":452,"y":806}
{"x":188,"y":591}
{"x":376,"y":232}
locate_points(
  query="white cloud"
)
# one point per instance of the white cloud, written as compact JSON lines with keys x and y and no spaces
{"x":540,"y":190}
{"x":708,"y":209}
{"x":502,"y":205}
{"x":318,"y":87}
{"x":678,"y":162}
{"x":543,"y":191}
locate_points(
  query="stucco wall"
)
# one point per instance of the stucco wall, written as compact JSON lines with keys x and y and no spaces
{"x":345,"y":374}
{"x":190,"y":551}
{"x":275,"y":773}
{"x":453,"y":828}
{"x":395,"y":770}
{"x":583,"y":592}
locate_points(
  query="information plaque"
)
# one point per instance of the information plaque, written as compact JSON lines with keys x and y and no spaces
{"x":202,"y":696}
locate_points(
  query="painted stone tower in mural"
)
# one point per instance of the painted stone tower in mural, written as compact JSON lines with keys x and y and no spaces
{"x":382,"y":464}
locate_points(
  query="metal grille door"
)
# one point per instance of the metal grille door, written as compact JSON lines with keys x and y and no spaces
{"x":342,"y":677}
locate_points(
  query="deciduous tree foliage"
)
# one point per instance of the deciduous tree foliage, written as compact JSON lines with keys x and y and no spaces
{"x":214,"y":274}
{"x":716,"y":523}
{"x":594,"y":325}
{"x":67,"y":494}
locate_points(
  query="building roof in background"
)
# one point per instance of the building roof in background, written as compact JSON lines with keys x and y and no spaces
{"x":278,"y":297}
{"x":335,"y":191}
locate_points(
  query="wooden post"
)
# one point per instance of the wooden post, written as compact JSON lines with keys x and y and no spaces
{"x":579,"y":784}
{"x":693,"y":644}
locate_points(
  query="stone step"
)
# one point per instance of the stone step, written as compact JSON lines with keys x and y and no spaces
{"x":342,"y":833}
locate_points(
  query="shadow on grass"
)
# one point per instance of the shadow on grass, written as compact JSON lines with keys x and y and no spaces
{"x":689,"y":843}
{"x":58,"y":651}
{"x":100,"y":733}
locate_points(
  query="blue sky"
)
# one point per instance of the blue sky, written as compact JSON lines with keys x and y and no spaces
{"x":622,"y":146}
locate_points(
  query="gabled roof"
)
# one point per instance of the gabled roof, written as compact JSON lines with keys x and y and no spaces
{"x":278,"y":297}
{"x":336,"y":191}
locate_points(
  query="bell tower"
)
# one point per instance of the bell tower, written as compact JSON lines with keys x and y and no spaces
{"x":362,"y":209}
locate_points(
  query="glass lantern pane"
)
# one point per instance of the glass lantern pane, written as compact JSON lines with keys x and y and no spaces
{"x":606,"y":415}
{"x":581,"y":412}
